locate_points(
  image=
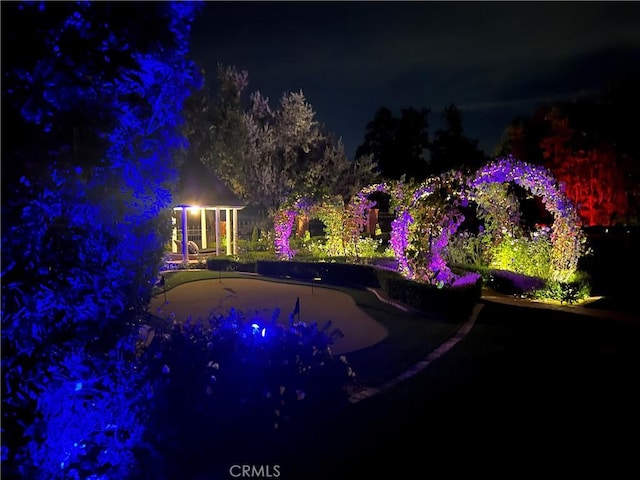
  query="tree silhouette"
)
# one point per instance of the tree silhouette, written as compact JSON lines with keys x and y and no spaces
{"x":225,"y":154}
{"x":451,"y":149}
{"x":398,"y":145}
{"x":522,"y":137}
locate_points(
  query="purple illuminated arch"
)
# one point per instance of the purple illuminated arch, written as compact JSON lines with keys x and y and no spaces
{"x":566,"y":233}
{"x":431,"y":266}
{"x":399,"y":228}
{"x":283,"y":225}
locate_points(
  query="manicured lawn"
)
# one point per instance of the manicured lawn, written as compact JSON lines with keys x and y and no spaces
{"x":179,"y":277}
{"x":411,"y":335}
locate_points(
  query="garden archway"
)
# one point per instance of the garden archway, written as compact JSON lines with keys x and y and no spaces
{"x":420,"y":247}
{"x":566,"y":235}
{"x":284,"y":219}
{"x":421,"y":229}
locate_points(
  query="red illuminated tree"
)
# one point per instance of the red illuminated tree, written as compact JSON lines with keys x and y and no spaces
{"x":594,"y":183}
{"x":593,"y":180}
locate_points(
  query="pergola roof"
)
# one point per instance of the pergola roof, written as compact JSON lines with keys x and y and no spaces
{"x":199,"y":186}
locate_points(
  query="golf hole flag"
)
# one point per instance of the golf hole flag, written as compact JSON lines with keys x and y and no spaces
{"x":296,"y":309}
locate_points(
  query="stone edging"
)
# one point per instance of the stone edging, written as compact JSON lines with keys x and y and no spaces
{"x":422,"y":364}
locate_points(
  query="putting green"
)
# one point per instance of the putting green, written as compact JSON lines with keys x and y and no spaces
{"x":254,"y":296}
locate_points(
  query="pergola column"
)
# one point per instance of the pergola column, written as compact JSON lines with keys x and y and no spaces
{"x":227,"y":224}
{"x":185,"y":248}
{"x":174,"y":233}
{"x":217,"y":231}
{"x":203,"y":227}
{"x":235,"y":231}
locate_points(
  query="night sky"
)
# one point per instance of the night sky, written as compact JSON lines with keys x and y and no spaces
{"x":494,"y":60}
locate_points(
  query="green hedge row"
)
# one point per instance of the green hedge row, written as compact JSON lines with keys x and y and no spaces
{"x":453,"y":303}
{"x":449,"y":302}
{"x":332,"y":273}
{"x":229,"y":265}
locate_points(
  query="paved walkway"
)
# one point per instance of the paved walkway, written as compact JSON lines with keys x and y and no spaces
{"x":581,"y":309}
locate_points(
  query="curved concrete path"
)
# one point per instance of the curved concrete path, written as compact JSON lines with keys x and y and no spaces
{"x":254,"y":296}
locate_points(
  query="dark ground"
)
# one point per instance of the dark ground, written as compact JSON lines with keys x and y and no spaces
{"x":529,"y":391}
{"x":614,"y":267}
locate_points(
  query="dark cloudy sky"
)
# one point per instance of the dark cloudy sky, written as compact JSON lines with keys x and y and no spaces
{"x":494,"y":60}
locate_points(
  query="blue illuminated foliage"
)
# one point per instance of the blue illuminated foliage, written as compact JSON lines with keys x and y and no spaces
{"x":92,"y":104}
{"x":235,"y":382}
{"x":93,"y":416}
{"x":93,"y":92}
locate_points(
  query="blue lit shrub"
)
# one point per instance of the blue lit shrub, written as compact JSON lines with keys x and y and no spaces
{"x":232,"y":382}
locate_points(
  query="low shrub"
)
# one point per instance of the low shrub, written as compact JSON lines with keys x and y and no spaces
{"x":511,"y":283}
{"x":230,"y":383}
{"x":337,"y":273}
{"x":573,"y":291}
{"x":530,"y":256}
{"x":503,"y":281}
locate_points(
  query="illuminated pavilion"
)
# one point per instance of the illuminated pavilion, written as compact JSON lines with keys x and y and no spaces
{"x":204,"y":207}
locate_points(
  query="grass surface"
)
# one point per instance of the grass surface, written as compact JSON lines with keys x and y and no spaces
{"x":411,"y":336}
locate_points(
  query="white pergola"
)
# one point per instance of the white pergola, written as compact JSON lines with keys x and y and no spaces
{"x":200,"y":191}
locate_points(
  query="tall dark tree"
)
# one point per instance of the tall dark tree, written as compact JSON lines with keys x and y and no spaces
{"x":522,"y":137}
{"x":451,"y":148}
{"x":398,"y":145}
{"x":621,"y":101}
{"x":264,"y":154}
{"x":228,"y":130}
{"x":199,"y":116}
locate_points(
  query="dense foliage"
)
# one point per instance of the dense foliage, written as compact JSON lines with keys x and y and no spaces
{"x":398,"y":144}
{"x":265,"y":153}
{"x":89,"y":389}
{"x":428,"y":215}
{"x":343,"y":226}
{"x":235,"y":382}
{"x":94,"y":97}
